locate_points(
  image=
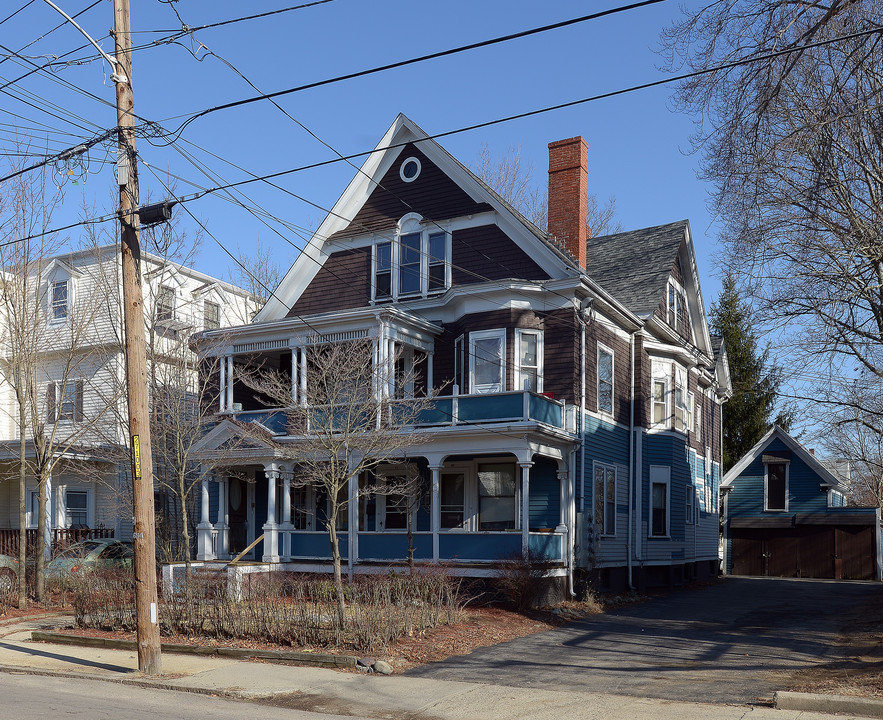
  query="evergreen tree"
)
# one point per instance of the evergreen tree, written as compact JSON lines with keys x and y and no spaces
{"x":748,"y":414}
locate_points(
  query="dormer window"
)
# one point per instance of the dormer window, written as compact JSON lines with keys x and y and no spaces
{"x":676,"y":307}
{"x":165,"y":303}
{"x":59,"y":293}
{"x":415,"y":264}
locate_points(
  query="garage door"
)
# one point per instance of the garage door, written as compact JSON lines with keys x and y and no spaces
{"x":845,"y":552}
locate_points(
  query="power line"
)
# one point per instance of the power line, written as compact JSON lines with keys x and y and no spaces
{"x":49,"y":32}
{"x":9,"y":17}
{"x":187,"y":29}
{"x":411,"y":61}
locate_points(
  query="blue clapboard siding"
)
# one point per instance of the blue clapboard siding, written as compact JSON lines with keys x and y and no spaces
{"x":317,"y":545}
{"x":546,"y":546}
{"x":545,"y":494}
{"x":608,"y":444}
{"x":478,"y":546}
{"x":394,"y":546}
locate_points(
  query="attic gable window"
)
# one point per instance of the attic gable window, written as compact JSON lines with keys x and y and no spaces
{"x":211,"y":315}
{"x":676,"y":305}
{"x":59,"y":294}
{"x":775,"y":486}
{"x":165,"y":303}
{"x":415,"y":264}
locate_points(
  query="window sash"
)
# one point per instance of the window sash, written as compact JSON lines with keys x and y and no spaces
{"x":605,"y":499}
{"x":165,"y":303}
{"x":605,"y":380}
{"x":211,"y":315}
{"x":660,"y":391}
{"x":452,"y":501}
{"x":59,"y":300}
{"x":414,"y":264}
{"x":496,"y":496}
{"x":76,"y":507}
{"x":529,"y":355}
{"x":487,"y":352}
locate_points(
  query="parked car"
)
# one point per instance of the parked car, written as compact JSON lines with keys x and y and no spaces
{"x":91,"y":555}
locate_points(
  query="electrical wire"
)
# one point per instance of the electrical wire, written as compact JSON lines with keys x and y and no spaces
{"x":26,"y":5}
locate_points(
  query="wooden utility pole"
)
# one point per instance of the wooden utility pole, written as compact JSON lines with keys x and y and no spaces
{"x":146,"y":609}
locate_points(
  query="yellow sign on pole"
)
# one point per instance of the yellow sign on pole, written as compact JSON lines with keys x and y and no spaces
{"x":136,"y":456}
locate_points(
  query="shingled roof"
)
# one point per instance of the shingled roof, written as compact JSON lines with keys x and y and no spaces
{"x":634,"y":266}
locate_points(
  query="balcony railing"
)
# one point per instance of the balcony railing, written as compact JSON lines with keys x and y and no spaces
{"x":456,"y":410}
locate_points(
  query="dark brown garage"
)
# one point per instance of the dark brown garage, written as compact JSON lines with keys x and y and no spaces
{"x":802,"y":547}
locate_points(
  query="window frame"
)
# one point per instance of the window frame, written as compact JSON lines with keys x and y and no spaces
{"x":606,"y":504}
{"x":411,"y":225}
{"x":661,"y":374}
{"x":216,"y":320}
{"x":766,"y":477}
{"x":58,"y":397}
{"x":520,"y":333}
{"x":516,"y":493}
{"x":163,"y":313}
{"x":606,"y":351}
{"x":663,"y":473}
{"x":55,"y":305}
{"x":382,"y":503}
{"x":466,"y":522}
{"x":304,"y":514}
{"x":674,"y":307}
{"x":487,"y":388}
{"x":681,"y":409}
{"x":87,"y":510}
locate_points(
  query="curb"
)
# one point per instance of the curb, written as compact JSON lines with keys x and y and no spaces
{"x":810,"y":702}
{"x":278,"y":656}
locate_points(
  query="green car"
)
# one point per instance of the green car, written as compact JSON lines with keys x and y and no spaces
{"x":91,"y":555}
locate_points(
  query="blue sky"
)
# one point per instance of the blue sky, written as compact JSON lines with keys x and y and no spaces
{"x":636,"y":144}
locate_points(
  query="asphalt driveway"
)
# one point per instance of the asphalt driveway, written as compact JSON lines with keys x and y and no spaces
{"x":735,"y":641}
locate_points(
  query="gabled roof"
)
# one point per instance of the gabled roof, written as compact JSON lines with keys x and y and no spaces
{"x":403,"y":131}
{"x":828,"y":479}
{"x":635,"y":266}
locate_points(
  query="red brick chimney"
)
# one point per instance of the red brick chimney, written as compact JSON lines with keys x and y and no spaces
{"x":568,"y":183}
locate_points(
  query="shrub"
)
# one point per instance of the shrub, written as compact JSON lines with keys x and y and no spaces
{"x":521,"y":580}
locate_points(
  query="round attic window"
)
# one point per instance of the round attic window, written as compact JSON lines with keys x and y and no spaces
{"x":409,"y":170}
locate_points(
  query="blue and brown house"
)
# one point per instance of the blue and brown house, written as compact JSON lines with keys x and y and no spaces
{"x":785,"y":515}
{"x":579,"y":390}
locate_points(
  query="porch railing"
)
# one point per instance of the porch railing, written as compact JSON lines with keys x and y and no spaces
{"x":61,"y":538}
{"x":455,"y":410}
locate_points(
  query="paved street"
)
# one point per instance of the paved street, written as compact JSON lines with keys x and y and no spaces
{"x":731,"y":642}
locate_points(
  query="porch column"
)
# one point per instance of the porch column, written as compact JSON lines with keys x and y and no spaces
{"x":429,"y":372}
{"x":230,"y":383}
{"x":525,"y":506}
{"x":204,"y":529}
{"x":391,"y":368}
{"x":564,"y":501}
{"x":435,"y":510}
{"x":353,"y":518}
{"x":222,"y":546}
{"x":287,"y":527}
{"x":294,"y":380}
{"x":271,"y":529}
{"x":303,"y":375}
{"x":222,"y":384}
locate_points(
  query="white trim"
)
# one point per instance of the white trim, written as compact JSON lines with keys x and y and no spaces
{"x":519,"y":379}
{"x":766,"y":478}
{"x":663,"y":477}
{"x":605,"y":349}
{"x":604,"y":466}
{"x":499,"y":334}
{"x":402,"y":169}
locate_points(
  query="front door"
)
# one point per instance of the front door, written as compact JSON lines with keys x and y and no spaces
{"x":237,"y":515}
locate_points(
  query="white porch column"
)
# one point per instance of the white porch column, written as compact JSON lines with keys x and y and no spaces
{"x":286,"y":527}
{"x":47,"y":530}
{"x":223,"y":544}
{"x":294,"y":380}
{"x":303,"y":375}
{"x":435,"y":510}
{"x":271,"y":529}
{"x":353,"y":517}
{"x":230,"y":383}
{"x":525,"y":506}
{"x":222,"y":384}
{"x":204,"y":529}
{"x":563,"y":501}
{"x":391,"y":368}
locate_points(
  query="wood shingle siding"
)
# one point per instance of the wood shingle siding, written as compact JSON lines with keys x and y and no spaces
{"x":343,"y":282}
{"x":433,"y":195}
{"x":597,"y":333}
{"x":487,"y":253}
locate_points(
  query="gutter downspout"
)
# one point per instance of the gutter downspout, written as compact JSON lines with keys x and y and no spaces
{"x":628,"y":544}
{"x":584,"y":306}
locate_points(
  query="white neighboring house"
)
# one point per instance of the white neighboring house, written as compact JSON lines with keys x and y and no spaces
{"x":80,"y":379}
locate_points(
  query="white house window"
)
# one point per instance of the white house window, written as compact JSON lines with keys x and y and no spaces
{"x":416,"y":263}
{"x":409,"y":170}
{"x":487,"y":353}
{"x":698,"y":418}
{"x":76,"y":508}
{"x":529,"y":351}
{"x":605,"y":379}
{"x":211,"y":315}
{"x":64,"y":402}
{"x":59,"y":293}
{"x":680,"y":398}
{"x":496,"y":496}
{"x":675,"y":307}
{"x":605,"y":499}
{"x":776,"y":486}
{"x":660,"y":404}
{"x":711,"y":493}
{"x":691,"y":500}
{"x":165,"y":303}
{"x":660,"y":477}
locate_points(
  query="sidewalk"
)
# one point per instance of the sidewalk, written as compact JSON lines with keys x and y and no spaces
{"x":331,"y":691}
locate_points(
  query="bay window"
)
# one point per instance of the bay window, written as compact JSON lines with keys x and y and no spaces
{"x":414,"y":264}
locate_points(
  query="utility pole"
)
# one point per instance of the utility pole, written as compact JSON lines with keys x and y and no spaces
{"x":149,"y":658}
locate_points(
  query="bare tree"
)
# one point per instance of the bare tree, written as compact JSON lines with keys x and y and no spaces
{"x":350,"y":424}
{"x":51,"y":346}
{"x":791,"y":145}
{"x":512,"y":179}
{"x":258,"y":272}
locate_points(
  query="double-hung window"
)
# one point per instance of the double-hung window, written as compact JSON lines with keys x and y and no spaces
{"x":529,"y":352}
{"x":605,"y":499}
{"x":487,"y":366}
{"x":659,"y":395}
{"x":211,"y":315}
{"x":165,"y":303}
{"x":76,"y":508}
{"x":660,"y":477}
{"x":452,"y":491}
{"x":676,"y":307}
{"x":605,"y":379}
{"x":680,"y":398}
{"x":64,"y":402}
{"x":59,"y":299}
{"x":415,"y":264}
{"x":496,"y":496}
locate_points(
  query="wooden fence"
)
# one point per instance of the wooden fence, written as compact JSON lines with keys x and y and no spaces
{"x":61,"y":538}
